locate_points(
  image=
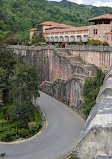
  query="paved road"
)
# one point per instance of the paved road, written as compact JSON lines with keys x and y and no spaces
{"x":64,"y":127}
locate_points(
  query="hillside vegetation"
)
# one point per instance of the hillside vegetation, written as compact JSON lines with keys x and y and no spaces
{"x":20,"y":15}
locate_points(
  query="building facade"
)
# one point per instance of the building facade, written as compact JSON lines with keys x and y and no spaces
{"x":100,"y":30}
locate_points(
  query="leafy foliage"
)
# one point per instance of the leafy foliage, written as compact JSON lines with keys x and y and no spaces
{"x":33,"y":126}
{"x":94,"y":42}
{"x":105,"y":43}
{"x":24,"y":133}
{"x":7,"y":64}
{"x":24,"y":86}
{"x":38,"y":36}
{"x":20,"y":81}
{"x":90,"y":91}
{"x":8,"y":125}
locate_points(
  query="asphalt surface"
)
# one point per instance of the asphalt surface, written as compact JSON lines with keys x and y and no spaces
{"x":60,"y":137}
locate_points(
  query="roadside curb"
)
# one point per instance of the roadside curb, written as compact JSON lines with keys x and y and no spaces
{"x":44,"y":127}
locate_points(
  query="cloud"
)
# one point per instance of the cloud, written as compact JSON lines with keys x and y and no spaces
{"x":79,"y":2}
{"x":99,"y":3}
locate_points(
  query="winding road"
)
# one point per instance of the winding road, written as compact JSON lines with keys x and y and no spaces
{"x":60,"y":137}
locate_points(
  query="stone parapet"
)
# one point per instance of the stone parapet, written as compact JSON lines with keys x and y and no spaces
{"x":89,"y":48}
{"x":23,"y":47}
{"x":96,"y":137}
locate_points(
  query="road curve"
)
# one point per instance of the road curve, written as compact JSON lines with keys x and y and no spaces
{"x":60,"y":137}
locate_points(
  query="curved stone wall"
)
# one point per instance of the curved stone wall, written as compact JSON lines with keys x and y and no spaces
{"x":68,"y":91}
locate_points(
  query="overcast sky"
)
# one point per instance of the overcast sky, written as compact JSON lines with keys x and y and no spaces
{"x":92,"y":2}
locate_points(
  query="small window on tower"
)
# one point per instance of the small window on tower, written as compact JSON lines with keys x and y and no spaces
{"x":94,"y":31}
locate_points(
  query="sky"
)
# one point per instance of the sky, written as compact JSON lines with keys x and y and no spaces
{"x":97,"y":3}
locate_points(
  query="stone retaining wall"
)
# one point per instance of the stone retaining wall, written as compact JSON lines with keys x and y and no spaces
{"x":67,"y":91}
{"x":62,"y":74}
{"x":100,"y":56}
{"x":96,"y":138}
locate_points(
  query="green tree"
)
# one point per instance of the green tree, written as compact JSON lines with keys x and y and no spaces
{"x":90,"y":91}
{"x":24,"y":84}
{"x":2,"y":84}
{"x":38,"y":36}
{"x":7,"y":64}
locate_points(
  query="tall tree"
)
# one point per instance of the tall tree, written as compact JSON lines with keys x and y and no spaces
{"x":7,"y":64}
{"x":90,"y":91}
{"x":25,"y":87}
{"x":38,"y":35}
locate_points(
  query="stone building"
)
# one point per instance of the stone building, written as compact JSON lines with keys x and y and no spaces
{"x":100,"y":30}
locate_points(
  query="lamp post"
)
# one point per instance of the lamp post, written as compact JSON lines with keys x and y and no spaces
{"x":17,"y":115}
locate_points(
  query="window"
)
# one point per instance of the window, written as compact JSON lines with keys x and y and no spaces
{"x":72,"y":38}
{"x":104,"y":38}
{"x":52,"y":39}
{"x":95,"y":31}
{"x":66,"y":39}
{"x":56,"y":38}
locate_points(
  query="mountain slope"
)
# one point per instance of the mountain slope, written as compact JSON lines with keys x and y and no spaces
{"x":21,"y":15}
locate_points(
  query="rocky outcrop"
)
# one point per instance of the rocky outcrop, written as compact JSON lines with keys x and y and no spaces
{"x":96,"y":138}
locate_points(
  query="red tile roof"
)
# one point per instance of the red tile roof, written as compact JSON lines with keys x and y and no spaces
{"x":60,"y":26}
{"x":105,"y":16}
{"x":108,"y":33}
{"x":53,"y":25}
{"x":49,"y":23}
{"x":32,"y":29}
{"x":68,"y":29}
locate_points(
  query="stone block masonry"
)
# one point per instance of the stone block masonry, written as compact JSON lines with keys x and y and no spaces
{"x":100,"y":56}
{"x":67,"y":91}
{"x":62,"y":74}
{"x":96,"y":139}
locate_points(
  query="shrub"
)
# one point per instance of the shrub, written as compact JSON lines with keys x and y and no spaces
{"x":94,"y":42}
{"x":80,"y":43}
{"x":90,"y":91}
{"x":7,"y":137}
{"x":41,"y":44}
{"x":24,"y":133}
{"x":33,"y":126}
{"x":72,"y":43}
{"x":63,"y":44}
{"x":105,"y":43}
